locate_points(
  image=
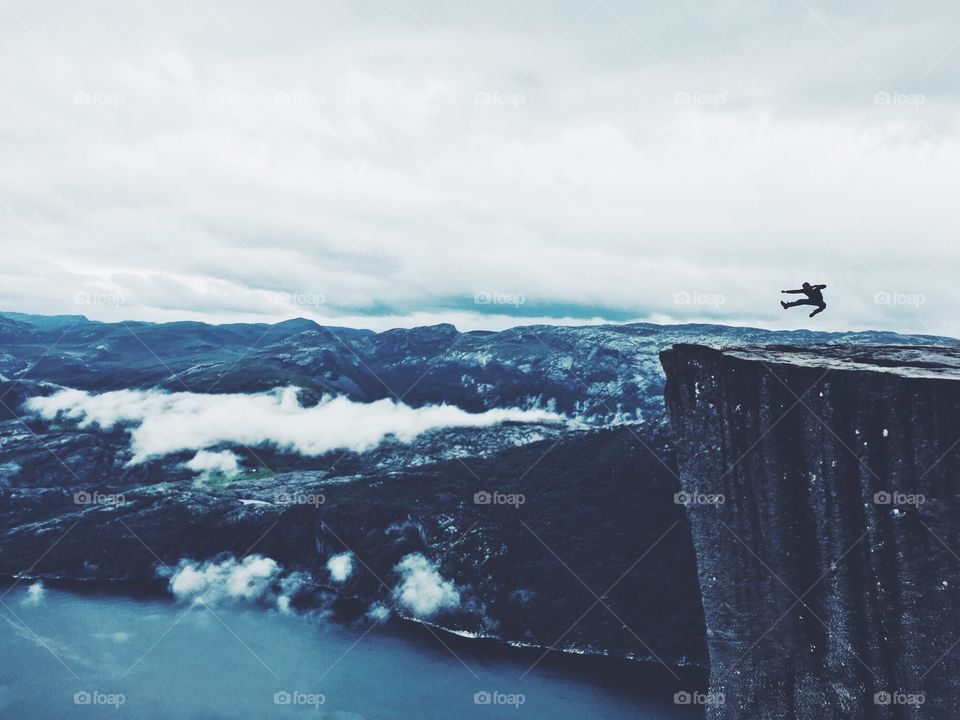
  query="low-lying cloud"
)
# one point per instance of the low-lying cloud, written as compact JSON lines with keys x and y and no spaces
{"x":207,"y":463}
{"x":162,"y":423}
{"x":340,"y":567}
{"x":260,"y":580}
{"x":35,"y":594}
{"x":211,"y":582}
{"x":422,"y":589}
{"x":253,"y":579}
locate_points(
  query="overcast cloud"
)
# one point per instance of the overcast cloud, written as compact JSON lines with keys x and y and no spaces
{"x":399,"y":163}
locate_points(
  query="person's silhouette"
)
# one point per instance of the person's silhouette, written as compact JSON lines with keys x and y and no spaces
{"x":814,"y":297}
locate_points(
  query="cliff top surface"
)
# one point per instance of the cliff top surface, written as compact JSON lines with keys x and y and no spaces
{"x":926,"y":361}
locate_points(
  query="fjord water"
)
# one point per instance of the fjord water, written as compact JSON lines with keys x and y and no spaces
{"x":69,"y":655}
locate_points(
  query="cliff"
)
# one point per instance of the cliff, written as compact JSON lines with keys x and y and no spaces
{"x":821,"y":487}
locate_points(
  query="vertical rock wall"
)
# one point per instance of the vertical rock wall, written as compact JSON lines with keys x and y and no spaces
{"x":823,"y":497}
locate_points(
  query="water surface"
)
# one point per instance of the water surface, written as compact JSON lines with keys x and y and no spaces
{"x":69,"y":655}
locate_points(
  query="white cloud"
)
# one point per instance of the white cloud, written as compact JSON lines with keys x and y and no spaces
{"x":35,"y":594}
{"x":422,"y":589}
{"x":340,"y":566}
{"x":211,"y":583}
{"x":162,"y":423}
{"x":223,"y":462}
{"x":378,"y":612}
{"x":344,"y":154}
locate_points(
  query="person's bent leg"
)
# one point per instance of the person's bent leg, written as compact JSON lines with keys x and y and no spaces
{"x":820,"y":309}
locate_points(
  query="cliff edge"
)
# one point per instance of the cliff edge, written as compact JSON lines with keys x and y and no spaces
{"x":821,"y":487}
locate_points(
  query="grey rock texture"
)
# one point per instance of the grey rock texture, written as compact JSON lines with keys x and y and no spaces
{"x":830,"y":570}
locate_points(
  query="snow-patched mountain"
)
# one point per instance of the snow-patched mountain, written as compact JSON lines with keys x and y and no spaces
{"x":576,"y":541}
{"x":599,"y":374}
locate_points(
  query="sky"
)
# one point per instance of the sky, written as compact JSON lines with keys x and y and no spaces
{"x":407,"y":162}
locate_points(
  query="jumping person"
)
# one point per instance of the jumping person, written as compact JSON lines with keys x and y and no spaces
{"x":814,"y":297}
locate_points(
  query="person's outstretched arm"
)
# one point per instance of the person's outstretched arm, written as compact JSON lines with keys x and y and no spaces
{"x":794,"y":292}
{"x":820,"y":287}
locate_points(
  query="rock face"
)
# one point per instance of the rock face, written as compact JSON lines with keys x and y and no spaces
{"x":822,"y":495}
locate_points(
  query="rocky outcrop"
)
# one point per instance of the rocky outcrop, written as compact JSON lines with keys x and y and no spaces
{"x":822,"y":490}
